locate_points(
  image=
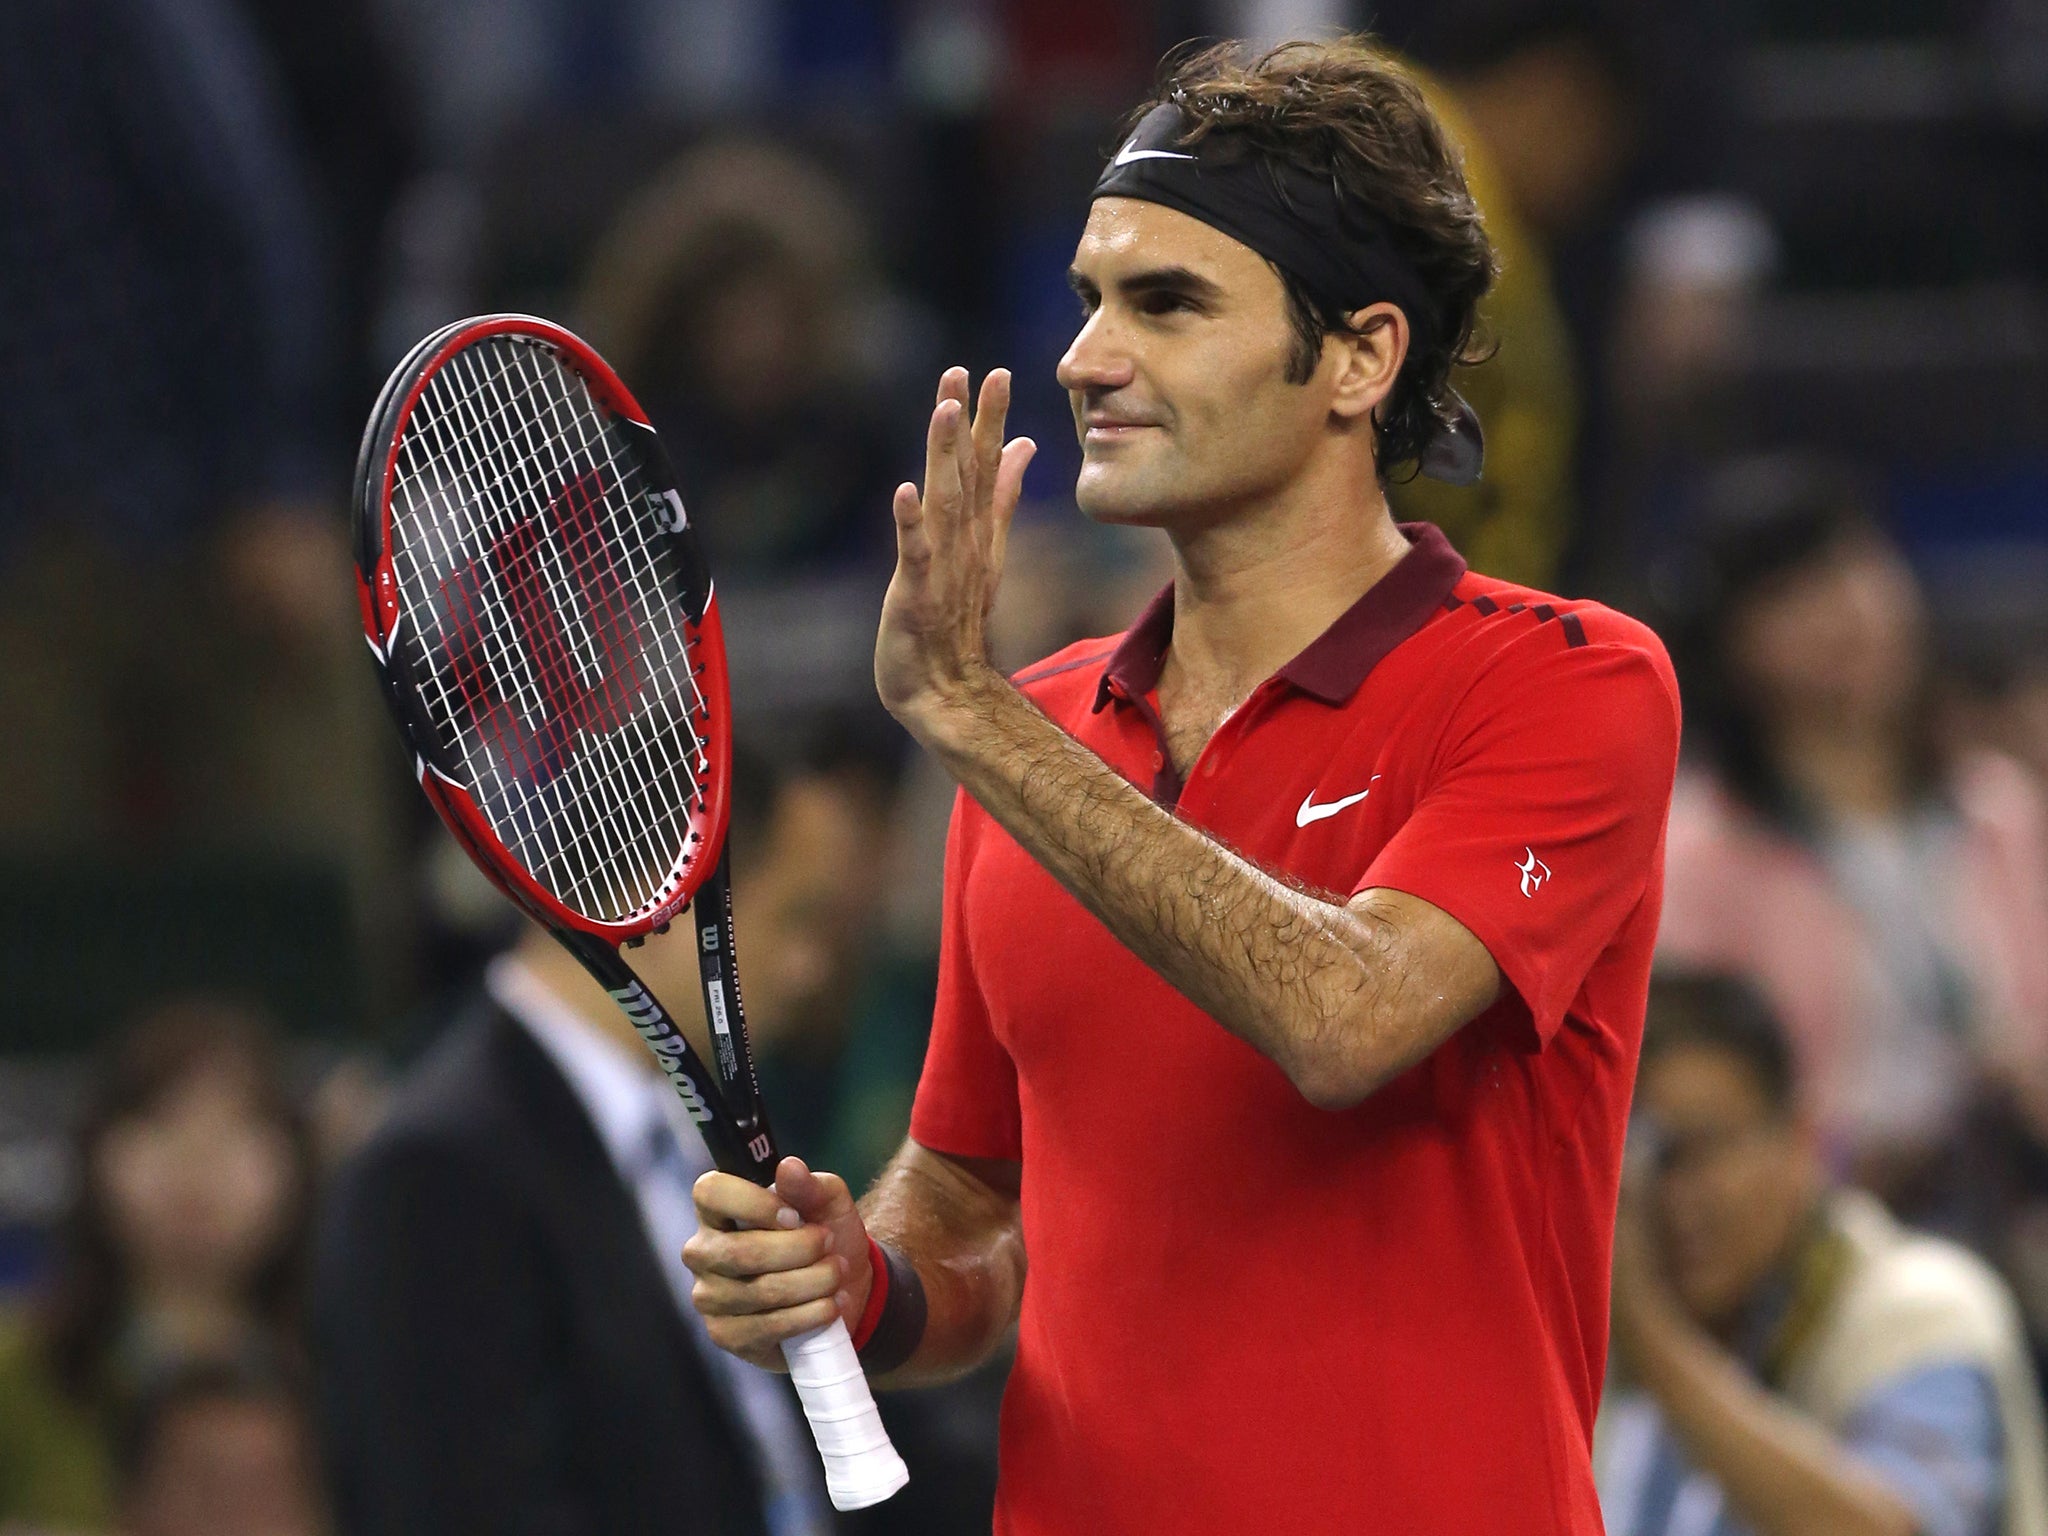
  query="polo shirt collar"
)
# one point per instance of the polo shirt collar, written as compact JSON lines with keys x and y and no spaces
{"x":1337,"y":660}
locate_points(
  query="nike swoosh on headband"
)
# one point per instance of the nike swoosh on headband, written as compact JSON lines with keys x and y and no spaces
{"x":1127,"y":154}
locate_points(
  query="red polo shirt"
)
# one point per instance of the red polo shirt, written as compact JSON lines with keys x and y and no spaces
{"x":1248,"y":1314}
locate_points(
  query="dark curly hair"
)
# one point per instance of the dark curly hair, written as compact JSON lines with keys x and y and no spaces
{"x":1347,"y":110}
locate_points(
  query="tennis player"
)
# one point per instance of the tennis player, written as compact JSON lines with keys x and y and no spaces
{"x":1296,"y":941}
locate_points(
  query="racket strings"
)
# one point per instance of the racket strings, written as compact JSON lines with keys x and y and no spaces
{"x":627,"y":824}
{"x":524,"y":769}
{"x":544,"y":612}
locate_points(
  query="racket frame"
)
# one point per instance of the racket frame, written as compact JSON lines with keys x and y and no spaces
{"x":861,"y":1466}
{"x":726,"y":1106}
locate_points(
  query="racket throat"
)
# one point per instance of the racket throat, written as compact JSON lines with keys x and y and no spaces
{"x":738,"y":1143}
{"x":718,"y":969}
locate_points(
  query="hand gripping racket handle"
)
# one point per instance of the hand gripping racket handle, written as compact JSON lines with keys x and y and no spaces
{"x":861,"y":1466}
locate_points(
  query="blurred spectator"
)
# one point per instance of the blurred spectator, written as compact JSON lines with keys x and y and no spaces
{"x":1790,"y":1358}
{"x":161,"y":259}
{"x":184,"y":1242}
{"x":1891,"y":900}
{"x":1695,"y":271}
{"x":1996,"y":657}
{"x":358,"y":133}
{"x":538,"y":118}
{"x":1517,"y":522}
{"x":174,"y":580}
{"x":480,"y":66}
{"x":737,"y":293}
{"x":220,"y":1449}
{"x":837,"y":1070}
{"x":1571,"y":100}
{"x":2009,"y":711}
{"x":540,"y":1147}
{"x":1547,"y":86}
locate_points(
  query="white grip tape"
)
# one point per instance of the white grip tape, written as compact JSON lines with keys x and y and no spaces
{"x":861,"y":1466}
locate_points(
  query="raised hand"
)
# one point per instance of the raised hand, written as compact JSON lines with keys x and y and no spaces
{"x":933,"y":642}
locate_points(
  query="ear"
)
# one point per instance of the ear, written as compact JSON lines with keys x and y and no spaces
{"x":1369,"y":358}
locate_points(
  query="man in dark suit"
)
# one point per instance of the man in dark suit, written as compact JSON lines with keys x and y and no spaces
{"x":500,"y":1308}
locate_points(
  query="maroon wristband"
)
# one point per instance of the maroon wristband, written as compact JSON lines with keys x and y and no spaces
{"x":878,"y":1296}
{"x":892,"y":1323}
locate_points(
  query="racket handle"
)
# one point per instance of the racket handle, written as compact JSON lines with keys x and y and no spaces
{"x":861,"y":1466}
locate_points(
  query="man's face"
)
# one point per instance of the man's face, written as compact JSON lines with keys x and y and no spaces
{"x":1178,"y":377}
{"x":1737,"y":1179}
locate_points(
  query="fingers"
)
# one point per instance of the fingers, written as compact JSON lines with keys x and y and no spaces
{"x":764,"y":1259}
{"x":726,"y":1203}
{"x":817,"y":1197}
{"x":972,"y":483}
{"x":1009,"y":487}
{"x":746,"y":1255}
{"x":718,"y":1295}
{"x":954,"y":385}
{"x":963,"y":453}
{"x":913,"y":539}
{"x":759,"y":1339}
{"x":986,"y":448}
{"x":944,"y":489}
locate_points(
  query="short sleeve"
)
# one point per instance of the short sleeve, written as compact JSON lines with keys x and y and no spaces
{"x":1542,"y":823}
{"x":967,"y":1095}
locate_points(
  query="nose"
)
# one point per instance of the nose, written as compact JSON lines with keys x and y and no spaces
{"x":1096,"y":359}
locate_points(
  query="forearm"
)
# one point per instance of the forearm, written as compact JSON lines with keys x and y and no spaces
{"x":1312,"y":984}
{"x":966,"y":1242}
{"x":1781,"y":1471}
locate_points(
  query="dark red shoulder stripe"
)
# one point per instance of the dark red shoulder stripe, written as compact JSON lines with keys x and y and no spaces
{"x":1024,"y":678}
{"x":1574,"y":631}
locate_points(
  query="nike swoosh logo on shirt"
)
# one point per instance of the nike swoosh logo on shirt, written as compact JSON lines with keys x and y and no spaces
{"x":1127,"y":154}
{"x":1310,"y":811}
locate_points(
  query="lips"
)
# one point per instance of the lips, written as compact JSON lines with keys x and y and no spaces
{"x":1111,"y":429}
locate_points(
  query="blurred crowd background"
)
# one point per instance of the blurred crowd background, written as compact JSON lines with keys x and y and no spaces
{"x":1773,"y":375}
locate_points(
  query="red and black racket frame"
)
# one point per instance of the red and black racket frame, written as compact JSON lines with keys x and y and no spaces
{"x":727,"y":1108}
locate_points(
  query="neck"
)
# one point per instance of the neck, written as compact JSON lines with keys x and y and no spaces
{"x":1851,"y":768}
{"x":190,"y":1317}
{"x":1251,"y":592}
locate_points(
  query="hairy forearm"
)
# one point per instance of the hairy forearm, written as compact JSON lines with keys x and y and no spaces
{"x":966,"y":1240}
{"x":1313,"y":984}
{"x":1780,"y":1470}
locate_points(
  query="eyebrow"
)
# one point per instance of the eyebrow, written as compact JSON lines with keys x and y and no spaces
{"x":1172,"y":279}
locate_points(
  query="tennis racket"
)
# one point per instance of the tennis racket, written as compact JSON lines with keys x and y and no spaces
{"x":544,"y":624}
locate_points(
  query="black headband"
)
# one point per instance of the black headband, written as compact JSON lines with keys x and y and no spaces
{"x":1305,"y":225}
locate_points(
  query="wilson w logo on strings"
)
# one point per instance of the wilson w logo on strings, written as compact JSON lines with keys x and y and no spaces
{"x":544,"y":644}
